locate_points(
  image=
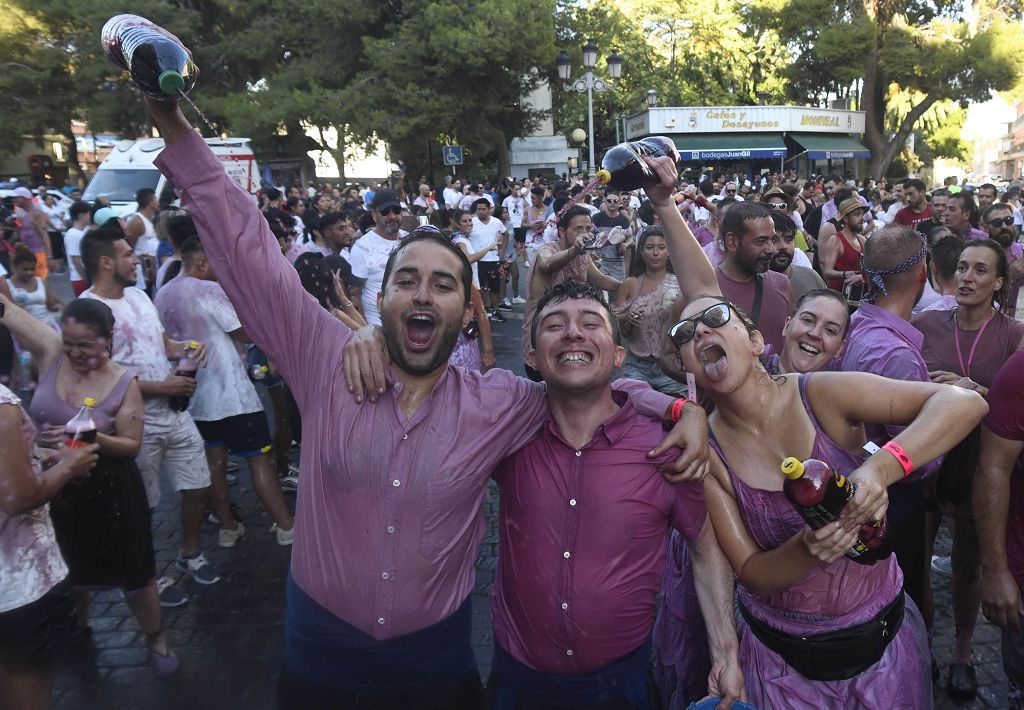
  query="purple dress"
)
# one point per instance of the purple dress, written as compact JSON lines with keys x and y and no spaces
{"x":831,"y":597}
{"x":466,"y":354}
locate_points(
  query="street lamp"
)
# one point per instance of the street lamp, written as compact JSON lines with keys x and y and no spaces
{"x":589,"y":83}
{"x":652,"y":98}
{"x":573,"y":162}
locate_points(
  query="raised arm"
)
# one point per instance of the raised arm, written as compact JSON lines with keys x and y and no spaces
{"x":39,"y":339}
{"x":286,"y":323}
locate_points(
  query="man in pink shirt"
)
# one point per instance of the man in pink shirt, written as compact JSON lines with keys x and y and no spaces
{"x":389,"y":515}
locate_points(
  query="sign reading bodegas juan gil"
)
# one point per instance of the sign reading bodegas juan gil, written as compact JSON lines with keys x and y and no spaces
{"x":738,"y":119}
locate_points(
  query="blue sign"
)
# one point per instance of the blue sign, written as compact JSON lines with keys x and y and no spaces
{"x":736,"y":154}
{"x":452,"y":154}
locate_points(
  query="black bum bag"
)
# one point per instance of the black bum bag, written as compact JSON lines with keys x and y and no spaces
{"x":835,"y":655}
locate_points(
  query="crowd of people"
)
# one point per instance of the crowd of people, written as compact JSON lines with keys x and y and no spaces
{"x":678,"y":342}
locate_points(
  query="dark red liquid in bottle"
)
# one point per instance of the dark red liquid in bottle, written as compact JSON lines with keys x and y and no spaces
{"x":623,"y":167}
{"x":157,"y":60}
{"x":80,"y":431}
{"x":187,"y":367}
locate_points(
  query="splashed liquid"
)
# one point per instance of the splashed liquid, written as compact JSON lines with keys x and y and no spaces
{"x":573,"y":201}
{"x":201,"y":115}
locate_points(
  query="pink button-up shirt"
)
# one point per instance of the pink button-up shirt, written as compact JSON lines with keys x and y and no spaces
{"x":389,"y":513}
{"x":583,"y":542}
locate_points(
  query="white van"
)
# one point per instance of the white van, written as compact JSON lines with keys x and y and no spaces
{"x":129,"y":168}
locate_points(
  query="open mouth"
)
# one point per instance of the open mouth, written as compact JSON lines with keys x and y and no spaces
{"x":575,"y":357}
{"x":809,"y":349}
{"x":420,"y":330}
{"x":714,"y":361}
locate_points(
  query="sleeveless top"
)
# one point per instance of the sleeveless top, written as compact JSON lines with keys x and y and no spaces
{"x":29,"y":235}
{"x":832,"y":596}
{"x":646,"y":338}
{"x":30,"y":561}
{"x":49,"y":408}
{"x":848,"y":260}
{"x":34,"y":302}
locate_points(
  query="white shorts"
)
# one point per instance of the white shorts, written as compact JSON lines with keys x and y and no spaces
{"x":171,"y":447}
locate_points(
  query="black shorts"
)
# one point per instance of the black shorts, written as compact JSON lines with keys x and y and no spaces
{"x":40,"y":636}
{"x":245,"y":435}
{"x":519,"y":233}
{"x":487,"y":271}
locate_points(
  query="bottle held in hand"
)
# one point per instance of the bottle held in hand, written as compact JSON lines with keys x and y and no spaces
{"x":187,"y":367}
{"x":158,"y":62}
{"x":819,"y":493}
{"x":80,"y":431}
{"x":623,"y":167}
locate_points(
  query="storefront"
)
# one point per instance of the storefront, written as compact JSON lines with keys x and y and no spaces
{"x":753,"y":140}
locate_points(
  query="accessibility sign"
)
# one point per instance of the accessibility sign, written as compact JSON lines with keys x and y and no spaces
{"x":452,"y":154}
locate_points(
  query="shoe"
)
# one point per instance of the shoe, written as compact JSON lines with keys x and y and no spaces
{"x":232,"y":479}
{"x":164,"y":664}
{"x":497,"y":317}
{"x":289,"y":483}
{"x":230,"y":538}
{"x":284,"y":537}
{"x":942,"y":565}
{"x":170,"y":595}
{"x":962,"y":683}
{"x":212,"y":518}
{"x":505,"y":305}
{"x":199,"y":569}
{"x":232,"y":466}
{"x":518,"y":300}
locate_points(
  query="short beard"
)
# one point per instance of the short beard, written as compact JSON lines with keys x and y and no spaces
{"x":1004,"y":238}
{"x":392,"y":327}
{"x":777,"y":265}
{"x":123,"y":282}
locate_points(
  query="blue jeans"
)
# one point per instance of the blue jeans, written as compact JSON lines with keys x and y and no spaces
{"x":649,"y":371}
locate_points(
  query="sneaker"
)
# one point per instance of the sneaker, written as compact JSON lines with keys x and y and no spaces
{"x":289,"y":483}
{"x":518,"y":300}
{"x":170,"y":595}
{"x":212,"y":518}
{"x":231,"y":479}
{"x":284,"y":537}
{"x":942,"y":565}
{"x":496,"y":316}
{"x":505,"y":305}
{"x":230,"y":538}
{"x":199,"y":569}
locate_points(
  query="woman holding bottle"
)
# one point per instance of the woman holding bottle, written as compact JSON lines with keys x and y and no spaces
{"x":966,"y":347}
{"x":818,"y":629}
{"x":102,"y":524}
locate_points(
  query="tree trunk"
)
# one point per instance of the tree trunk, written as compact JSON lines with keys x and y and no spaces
{"x":880,"y":163}
{"x":339,"y":153}
{"x":73,"y":160}
{"x":504,"y":164}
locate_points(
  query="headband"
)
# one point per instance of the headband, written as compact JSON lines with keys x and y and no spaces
{"x":876,"y":275}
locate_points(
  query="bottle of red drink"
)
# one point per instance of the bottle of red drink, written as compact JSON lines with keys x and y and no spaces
{"x":187,"y":367}
{"x":158,"y":61}
{"x":819,"y":493}
{"x":623,"y":167}
{"x":80,"y":431}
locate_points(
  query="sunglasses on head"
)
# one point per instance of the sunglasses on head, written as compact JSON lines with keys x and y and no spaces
{"x":1000,"y":222}
{"x":393,"y":209}
{"x":713,"y":317}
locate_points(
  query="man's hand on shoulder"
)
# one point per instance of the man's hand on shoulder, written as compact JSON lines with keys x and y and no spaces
{"x":367,"y":363}
{"x":690,"y":434}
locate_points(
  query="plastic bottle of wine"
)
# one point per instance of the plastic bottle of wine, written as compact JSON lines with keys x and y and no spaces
{"x":81,"y":429}
{"x":819,"y":493}
{"x":157,"y":60}
{"x":186,"y":367}
{"x":623,"y":167}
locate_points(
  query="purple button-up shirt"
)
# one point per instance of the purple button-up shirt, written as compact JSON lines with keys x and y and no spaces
{"x":583,"y":543}
{"x":389,"y":513}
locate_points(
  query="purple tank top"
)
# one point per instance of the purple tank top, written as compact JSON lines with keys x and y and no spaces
{"x":833,"y":595}
{"x":48,"y":408}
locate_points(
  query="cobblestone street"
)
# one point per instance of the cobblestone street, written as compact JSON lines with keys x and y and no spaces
{"x":230,"y":634}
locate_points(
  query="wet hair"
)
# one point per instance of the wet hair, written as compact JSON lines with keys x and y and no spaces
{"x":434,"y":236}
{"x":22,"y":255}
{"x":574,"y":290}
{"x":783,"y":223}
{"x":96,"y":244}
{"x":639,"y":266}
{"x":180,"y":228}
{"x":735,"y":220}
{"x":574,"y":211}
{"x":1002,"y":296}
{"x":825,"y":293}
{"x":91,"y":313}
{"x":191,"y":250}
{"x":945,"y":255}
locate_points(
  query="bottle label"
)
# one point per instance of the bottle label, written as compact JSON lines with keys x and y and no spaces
{"x":74,"y":443}
{"x":837,"y":495}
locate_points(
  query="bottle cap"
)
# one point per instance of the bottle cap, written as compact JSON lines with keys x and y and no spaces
{"x":264,"y":368}
{"x":171,"y":82}
{"x":792,"y":468}
{"x":193,"y":345}
{"x":89,"y":402}
{"x":603,"y":176}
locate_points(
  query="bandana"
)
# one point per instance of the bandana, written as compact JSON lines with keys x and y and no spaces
{"x":877,"y":275}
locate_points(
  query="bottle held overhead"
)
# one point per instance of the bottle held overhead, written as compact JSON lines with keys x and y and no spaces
{"x":623,"y":166}
{"x":157,"y":60}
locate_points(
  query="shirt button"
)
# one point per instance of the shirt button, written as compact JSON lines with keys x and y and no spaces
{"x":569,"y":652}
{"x":404,"y":437}
{"x":572,"y":501}
{"x":380,"y":621}
{"x":579,"y":453}
{"x":391,"y":529}
{"x":564,"y":605}
{"x":396,"y":483}
{"x":566,"y":554}
{"x":385,"y":575}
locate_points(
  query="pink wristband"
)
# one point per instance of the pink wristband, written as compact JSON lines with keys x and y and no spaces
{"x":902,"y":456}
{"x":677,"y":408}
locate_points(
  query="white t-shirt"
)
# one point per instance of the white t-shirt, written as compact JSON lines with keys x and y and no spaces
{"x":485,"y":234}
{"x":73,"y":247}
{"x":452,"y":197}
{"x":193,"y":309}
{"x":516,"y":206}
{"x":139,"y":341}
{"x":466,"y":203}
{"x":368,"y":258}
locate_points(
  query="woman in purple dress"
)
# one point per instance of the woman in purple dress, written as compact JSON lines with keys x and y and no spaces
{"x":816,"y":629}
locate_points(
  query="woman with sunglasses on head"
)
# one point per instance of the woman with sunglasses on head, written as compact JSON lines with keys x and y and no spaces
{"x":820,"y":630}
{"x":966,"y":347}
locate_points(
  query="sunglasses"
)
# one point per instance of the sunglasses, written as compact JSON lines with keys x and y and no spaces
{"x":393,"y":209}
{"x":730,"y":192}
{"x":1004,"y":222}
{"x":777,"y":205}
{"x":713,"y":317}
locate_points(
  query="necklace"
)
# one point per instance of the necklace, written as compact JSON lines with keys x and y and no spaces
{"x":965,"y":370}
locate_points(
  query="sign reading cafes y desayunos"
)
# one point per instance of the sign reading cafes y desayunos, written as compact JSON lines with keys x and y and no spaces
{"x":740,"y":119}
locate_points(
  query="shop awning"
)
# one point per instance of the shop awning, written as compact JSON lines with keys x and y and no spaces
{"x":826,"y":146}
{"x":730,"y":146}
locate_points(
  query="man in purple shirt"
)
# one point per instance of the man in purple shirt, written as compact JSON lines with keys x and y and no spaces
{"x":389,"y":512}
{"x":882,"y":341}
{"x":960,"y":214}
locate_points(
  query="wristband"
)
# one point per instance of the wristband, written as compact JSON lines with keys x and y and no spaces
{"x":677,"y":408}
{"x":902,"y":456}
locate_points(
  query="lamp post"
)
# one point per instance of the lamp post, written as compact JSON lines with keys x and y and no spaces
{"x":652,"y":98}
{"x":589,"y":83}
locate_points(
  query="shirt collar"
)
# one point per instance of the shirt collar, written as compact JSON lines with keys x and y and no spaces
{"x":610,"y":431}
{"x":876,"y":316}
